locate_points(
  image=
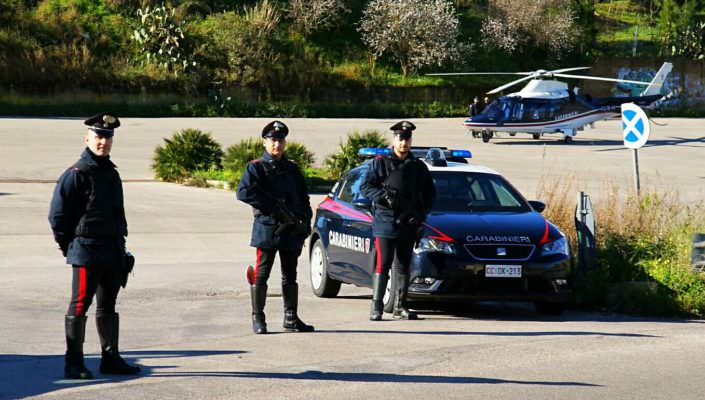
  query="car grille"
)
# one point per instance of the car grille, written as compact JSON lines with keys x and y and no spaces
{"x":501,"y":252}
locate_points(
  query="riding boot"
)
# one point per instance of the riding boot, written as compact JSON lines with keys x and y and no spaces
{"x":400,"y":306}
{"x":74,"y":368}
{"x":292,"y":323}
{"x":110,"y":361}
{"x":379,"y":286}
{"x":258,"y":293}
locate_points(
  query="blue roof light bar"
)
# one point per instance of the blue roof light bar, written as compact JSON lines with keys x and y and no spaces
{"x":461,"y":153}
{"x":374,"y":151}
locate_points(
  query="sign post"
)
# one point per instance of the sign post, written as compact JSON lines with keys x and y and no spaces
{"x":636,"y":129}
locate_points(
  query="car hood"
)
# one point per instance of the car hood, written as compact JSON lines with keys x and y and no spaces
{"x":491,"y":227}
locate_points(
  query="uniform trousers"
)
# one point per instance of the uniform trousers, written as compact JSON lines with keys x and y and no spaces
{"x":265,"y":260}
{"x":393,"y":253}
{"x":103,"y":282}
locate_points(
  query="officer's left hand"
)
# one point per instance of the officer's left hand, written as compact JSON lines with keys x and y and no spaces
{"x":64,"y":247}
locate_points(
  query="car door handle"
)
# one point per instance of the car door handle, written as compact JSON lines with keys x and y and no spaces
{"x":348,"y":223}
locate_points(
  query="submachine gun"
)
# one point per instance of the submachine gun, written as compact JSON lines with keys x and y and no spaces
{"x":289,"y":220}
{"x":397,"y":202}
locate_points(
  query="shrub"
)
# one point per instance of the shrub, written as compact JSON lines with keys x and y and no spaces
{"x":346,"y":157}
{"x":311,"y":15}
{"x":640,"y":239}
{"x":187,"y":151}
{"x":244,"y":47}
{"x":238,"y":155}
{"x":298,"y":153}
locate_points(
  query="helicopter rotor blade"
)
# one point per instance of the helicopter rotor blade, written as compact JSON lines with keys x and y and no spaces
{"x":510,"y":84}
{"x":597,"y":78}
{"x":477,"y":73}
{"x":558,"y":71}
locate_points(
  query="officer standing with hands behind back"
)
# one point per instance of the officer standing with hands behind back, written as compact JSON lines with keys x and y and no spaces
{"x":275,"y":188}
{"x":402,"y":191}
{"x":87,"y":217}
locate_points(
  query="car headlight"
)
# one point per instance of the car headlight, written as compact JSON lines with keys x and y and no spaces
{"x":558,"y":246}
{"x":434,"y":245}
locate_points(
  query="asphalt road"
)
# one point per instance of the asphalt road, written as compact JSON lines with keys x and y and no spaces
{"x":185,"y":312}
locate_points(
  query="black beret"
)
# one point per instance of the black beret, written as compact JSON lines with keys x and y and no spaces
{"x":275,"y":129}
{"x":103,"y":124}
{"x":403,"y":129}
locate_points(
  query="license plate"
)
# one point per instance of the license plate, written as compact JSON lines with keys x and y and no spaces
{"x":502,"y":271}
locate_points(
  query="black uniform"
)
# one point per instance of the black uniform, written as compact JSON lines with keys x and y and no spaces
{"x":266,"y":185}
{"x":475,"y":109}
{"x":402,"y":192}
{"x":87,"y":217}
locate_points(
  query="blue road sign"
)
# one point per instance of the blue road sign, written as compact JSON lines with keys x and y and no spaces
{"x":635,"y":126}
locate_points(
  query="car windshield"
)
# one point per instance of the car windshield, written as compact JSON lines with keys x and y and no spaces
{"x":473,"y":191}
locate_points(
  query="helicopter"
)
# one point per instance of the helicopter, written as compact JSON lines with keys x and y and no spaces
{"x":547,"y":105}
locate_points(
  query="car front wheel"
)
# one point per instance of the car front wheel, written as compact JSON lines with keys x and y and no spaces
{"x":389,"y":295}
{"x":322,"y":284}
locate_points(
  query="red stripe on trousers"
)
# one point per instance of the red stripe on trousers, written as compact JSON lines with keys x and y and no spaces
{"x":257,"y":261}
{"x":81,"y":303}
{"x":379,"y":256}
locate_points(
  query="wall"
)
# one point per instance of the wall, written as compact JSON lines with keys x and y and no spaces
{"x":685,"y":82}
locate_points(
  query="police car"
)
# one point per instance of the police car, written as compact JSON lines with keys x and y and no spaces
{"x":482,"y":239}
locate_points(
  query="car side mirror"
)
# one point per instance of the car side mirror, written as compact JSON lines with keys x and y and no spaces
{"x":538,"y":206}
{"x":362,"y":204}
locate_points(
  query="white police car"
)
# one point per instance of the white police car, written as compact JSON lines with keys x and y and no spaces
{"x":482,"y":240}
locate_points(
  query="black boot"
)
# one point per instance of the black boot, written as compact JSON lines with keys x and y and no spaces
{"x":379,"y":286}
{"x":111,"y":362}
{"x":402,"y":287}
{"x":258,"y":293}
{"x":74,"y":368}
{"x":292,"y":323}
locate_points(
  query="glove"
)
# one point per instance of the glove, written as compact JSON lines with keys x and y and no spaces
{"x":64,"y":247}
{"x":391,"y":198}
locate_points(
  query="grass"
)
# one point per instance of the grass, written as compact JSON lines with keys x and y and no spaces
{"x":617,"y":20}
{"x":643,"y":249}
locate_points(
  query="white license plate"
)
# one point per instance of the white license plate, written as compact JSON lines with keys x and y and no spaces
{"x":502,"y":271}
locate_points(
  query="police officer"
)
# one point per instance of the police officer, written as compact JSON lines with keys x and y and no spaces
{"x":402,"y":192}
{"x":275,"y":188}
{"x":87,"y":217}
{"x":475,"y":107}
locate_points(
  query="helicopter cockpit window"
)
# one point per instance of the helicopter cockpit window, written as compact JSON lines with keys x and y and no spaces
{"x":493,"y":110}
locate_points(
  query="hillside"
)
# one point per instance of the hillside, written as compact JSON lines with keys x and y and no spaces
{"x":227,"y":57}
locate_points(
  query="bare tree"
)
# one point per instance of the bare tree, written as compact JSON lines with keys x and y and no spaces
{"x":416,"y":33}
{"x":313,"y":15}
{"x":513,"y":25}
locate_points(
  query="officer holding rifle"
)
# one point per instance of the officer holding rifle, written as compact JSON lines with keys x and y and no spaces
{"x":275,"y":188}
{"x":402,"y":191}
